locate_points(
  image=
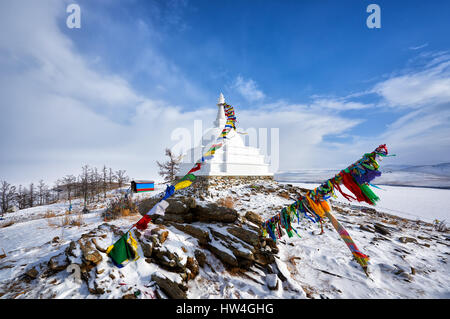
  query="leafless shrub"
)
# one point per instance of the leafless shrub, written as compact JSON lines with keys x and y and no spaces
{"x":120,"y":207}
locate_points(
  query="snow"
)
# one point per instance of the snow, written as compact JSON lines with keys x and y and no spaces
{"x":409,"y":202}
{"x":314,"y":266}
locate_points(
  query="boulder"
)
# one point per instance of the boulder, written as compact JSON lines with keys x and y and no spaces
{"x":200,"y":257}
{"x":223,"y":255}
{"x":407,"y":240}
{"x":254,"y":218}
{"x":196,"y":232}
{"x":272,"y":281}
{"x":214,"y":213}
{"x":90,"y":256}
{"x":58,"y":263}
{"x":171,"y":289}
{"x":245,"y":235}
{"x":32,"y":273}
{"x":168,"y":260}
{"x":381,"y":229}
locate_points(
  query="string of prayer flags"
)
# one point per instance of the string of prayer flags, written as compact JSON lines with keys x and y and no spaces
{"x":124,"y":249}
{"x":158,"y":209}
{"x":315,"y":207}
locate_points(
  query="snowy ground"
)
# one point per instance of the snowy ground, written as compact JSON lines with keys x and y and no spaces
{"x":313,"y":266}
{"x":417,"y":203}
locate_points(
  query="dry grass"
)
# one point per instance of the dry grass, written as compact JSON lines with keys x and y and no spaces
{"x":67,"y":221}
{"x":227,"y":202}
{"x":50,"y":214}
{"x":292,"y":260}
{"x":390,"y":221}
{"x":120,"y":207}
{"x":7,"y":224}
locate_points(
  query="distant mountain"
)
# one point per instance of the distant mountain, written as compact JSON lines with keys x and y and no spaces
{"x":442,"y":169}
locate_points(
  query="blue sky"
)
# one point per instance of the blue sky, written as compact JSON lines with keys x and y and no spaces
{"x":335,"y":88}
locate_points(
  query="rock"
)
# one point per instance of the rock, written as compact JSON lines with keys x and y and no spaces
{"x":177,"y":211}
{"x":196,"y":232}
{"x":214,"y":213}
{"x":171,"y":289}
{"x":90,"y":254}
{"x":55,"y":239}
{"x":254,"y":218}
{"x":168,"y":260}
{"x":407,"y":240}
{"x":32,"y":273}
{"x":70,"y":249}
{"x":147,"y":249}
{"x":381,"y":229}
{"x":193,"y":266}
{"x":200,"y":257}
{"x":270,"y":242}
{"x":272,"y":281}
{"x":369,"y":210}
{"x":161,"y":233}
{"x":223,"y":255}
{"x":247,"y":236}
{"x":94,"y":241}
{"x":58,"y":263}
{"x":263,"y":258}
{"x":129,"y":296}
{"x":365,"y":228}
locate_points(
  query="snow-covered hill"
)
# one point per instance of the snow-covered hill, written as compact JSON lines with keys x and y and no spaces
{"x":226,"y":258}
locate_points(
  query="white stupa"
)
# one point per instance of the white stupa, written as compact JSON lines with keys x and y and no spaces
{"x":233,"y":159}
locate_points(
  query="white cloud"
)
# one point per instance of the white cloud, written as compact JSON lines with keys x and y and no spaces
{"x":415,"y":89}
{"x":248,"y":89}
{"x":339,"y":105}
{"x":419,"y":47}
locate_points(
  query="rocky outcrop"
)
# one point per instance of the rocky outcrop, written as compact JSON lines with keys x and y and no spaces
{"x":185,"y":210}
{"x":196,"y":232}
{"x":214,"y":213}
{"x":171,"y":289}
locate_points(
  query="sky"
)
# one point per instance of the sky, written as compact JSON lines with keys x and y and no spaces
{"x":113,"y":91}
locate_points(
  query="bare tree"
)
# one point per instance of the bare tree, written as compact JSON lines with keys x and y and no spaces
{"x":111,"y":178}
{"x":169,"y":169}
{"x":69,"y":184}
{"x":22,"y":197}
{"x":104,"y":181}
{"x":7,"y":196}
{"x":31,"y":195}
{"x":42,"y":193}
{"x":121,"y":177}
{"x":84,"y":184}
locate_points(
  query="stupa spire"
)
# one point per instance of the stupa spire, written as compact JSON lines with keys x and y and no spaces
{"x":220,"y":119}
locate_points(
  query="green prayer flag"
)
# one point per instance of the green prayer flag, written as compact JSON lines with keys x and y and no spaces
{"x":121,"y":251}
